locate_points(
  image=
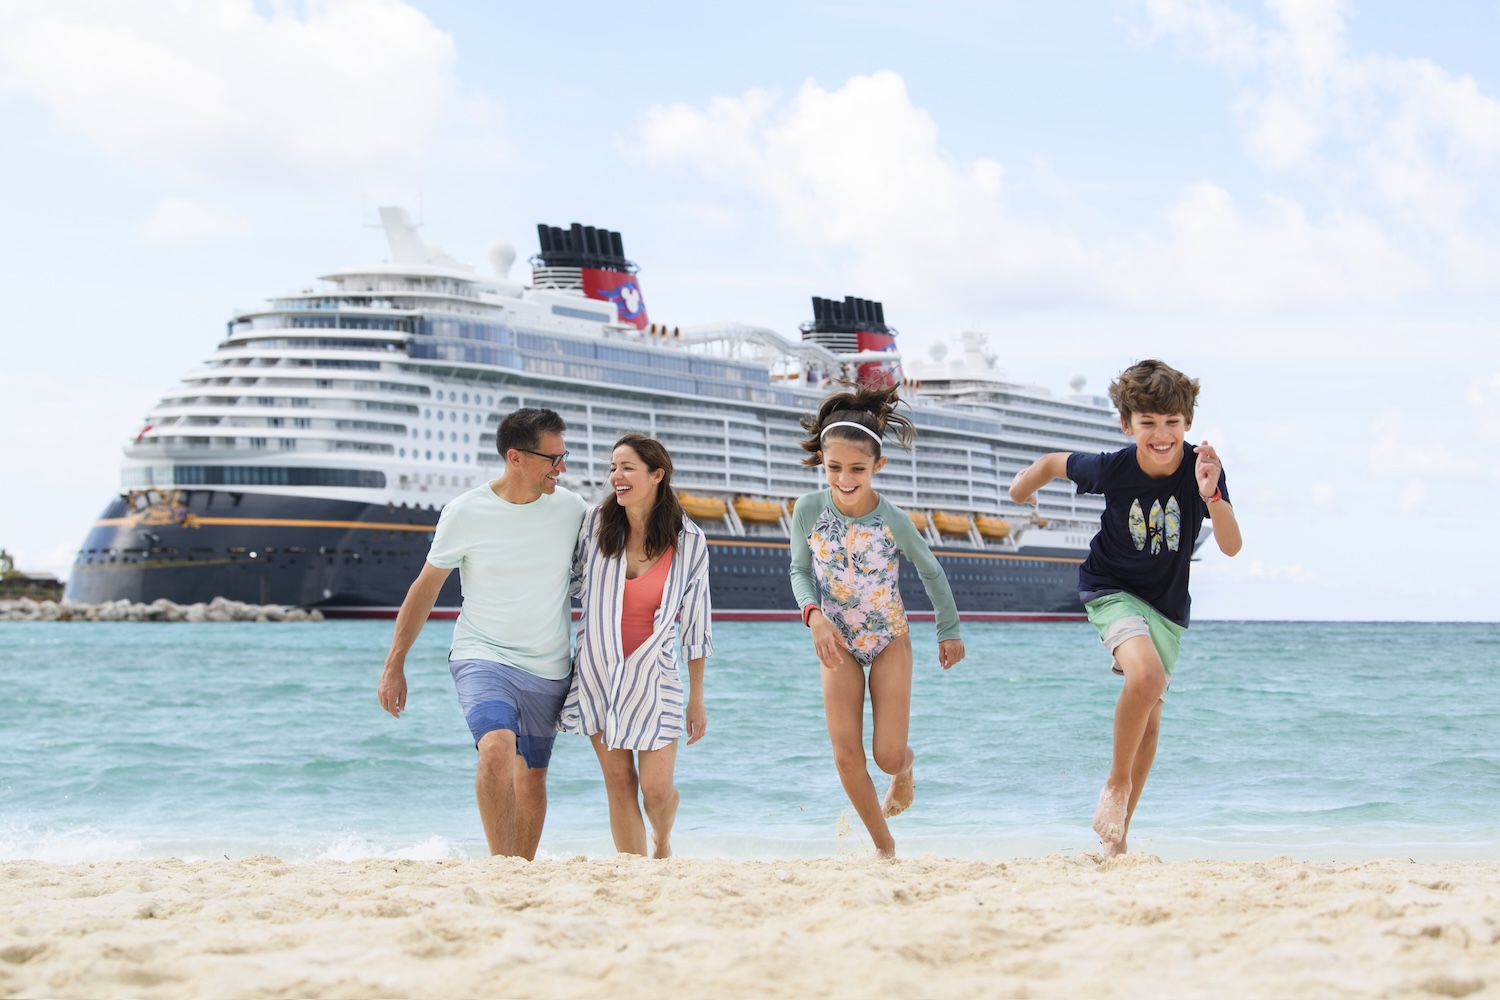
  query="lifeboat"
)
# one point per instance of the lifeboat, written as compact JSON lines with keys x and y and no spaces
{"x":992,"y":527}
{"x":951,"y":524}
{"x":918,"y":519}
{"x":702,"y":508}
{"x":759,"y":511}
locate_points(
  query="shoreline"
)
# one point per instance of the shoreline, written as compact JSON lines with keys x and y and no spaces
{"x":840,"y":926}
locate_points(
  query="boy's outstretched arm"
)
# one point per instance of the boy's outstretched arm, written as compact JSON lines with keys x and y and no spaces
{"x":1226,"y":526}
{"x":1038,"y":474}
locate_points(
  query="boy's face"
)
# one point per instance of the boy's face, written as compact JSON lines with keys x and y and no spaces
{"x":1158,"y":440}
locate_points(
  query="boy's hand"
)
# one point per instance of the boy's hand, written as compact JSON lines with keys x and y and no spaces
{"x":950,"y":652}
{"x":1207,"y":470}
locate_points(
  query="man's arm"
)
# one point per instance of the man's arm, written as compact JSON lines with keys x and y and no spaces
{"x":409,"y":621}
{"x":1038,"y":474}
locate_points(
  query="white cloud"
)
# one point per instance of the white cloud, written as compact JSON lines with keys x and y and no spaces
{"x":348,"y":89}
{"x":181,"y":221}
{"x":1400,"y":135}
{"x":1412,"y":497}
{"x":860,"y":171}
{"x":1390,"y":455}
{"x":1322,"y":493}
{"x":1484,"y":395}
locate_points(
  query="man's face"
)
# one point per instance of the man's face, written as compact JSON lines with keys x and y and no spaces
{"x":538,"y":472}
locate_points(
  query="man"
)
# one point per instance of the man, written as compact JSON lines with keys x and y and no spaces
{"x":512,"y":541}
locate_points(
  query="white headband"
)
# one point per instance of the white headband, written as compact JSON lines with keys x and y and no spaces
{"x":847,"y":423}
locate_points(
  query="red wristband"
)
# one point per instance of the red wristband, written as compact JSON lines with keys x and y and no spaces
{"x":807,"y":613}
{"x":1218,"y":495}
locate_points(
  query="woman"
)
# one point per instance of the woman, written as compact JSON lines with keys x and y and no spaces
{"x":639,"y":568}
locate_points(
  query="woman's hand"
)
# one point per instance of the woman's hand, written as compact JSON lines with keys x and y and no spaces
{"x":950,"y":652}
{"x":697,"y":718}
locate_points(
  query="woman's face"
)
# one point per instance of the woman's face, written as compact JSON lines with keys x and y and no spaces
{"x":633,"y":482}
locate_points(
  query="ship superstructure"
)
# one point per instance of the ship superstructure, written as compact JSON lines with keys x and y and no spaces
{"x":306,"y":460}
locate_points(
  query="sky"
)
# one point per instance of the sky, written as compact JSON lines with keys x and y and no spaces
{"x":1296,"y":202}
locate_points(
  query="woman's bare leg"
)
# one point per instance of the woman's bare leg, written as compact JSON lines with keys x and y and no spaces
{"x":659,"y":795}
{"x":623,"y":789}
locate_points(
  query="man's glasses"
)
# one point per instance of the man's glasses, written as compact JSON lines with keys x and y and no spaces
{"x":556,"y":460}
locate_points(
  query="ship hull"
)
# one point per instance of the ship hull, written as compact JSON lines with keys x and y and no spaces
{"x":352,"y":559}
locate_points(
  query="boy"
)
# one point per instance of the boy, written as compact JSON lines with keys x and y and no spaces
{"x":1134,"y":583}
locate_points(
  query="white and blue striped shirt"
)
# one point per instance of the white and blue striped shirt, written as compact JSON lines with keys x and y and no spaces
{"x":635,"y":702}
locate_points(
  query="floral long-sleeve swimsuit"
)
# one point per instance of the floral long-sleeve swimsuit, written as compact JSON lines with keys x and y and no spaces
{"x":855,"y":564}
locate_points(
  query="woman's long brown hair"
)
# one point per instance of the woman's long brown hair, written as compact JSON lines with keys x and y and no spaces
{"x":665,"y":521}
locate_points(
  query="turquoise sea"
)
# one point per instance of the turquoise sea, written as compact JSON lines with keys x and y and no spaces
{"x":1322,"y":741}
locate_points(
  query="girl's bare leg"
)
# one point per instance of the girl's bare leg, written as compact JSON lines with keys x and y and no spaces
{"x":890,"y":706}
{"x":659,"y":795}
{"x":844,"y":710}
{"x":623,"y":789}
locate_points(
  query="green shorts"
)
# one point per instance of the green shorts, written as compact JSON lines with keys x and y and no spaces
{"x":1123,"y":616}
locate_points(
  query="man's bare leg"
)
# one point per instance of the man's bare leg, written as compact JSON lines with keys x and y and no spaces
{"x":495,"y":790}
{"x":659,"y":796}
{"x":844,"y":711}
{"x":1145,"y":681}
{"x":622,"y":787}
{"x":890,"y":710}
{"x":531,"y":806}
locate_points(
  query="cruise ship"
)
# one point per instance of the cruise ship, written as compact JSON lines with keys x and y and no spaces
{"x":306,"y":460}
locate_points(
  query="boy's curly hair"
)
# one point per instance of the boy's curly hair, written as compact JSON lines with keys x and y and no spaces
{"x":1153,"y":386}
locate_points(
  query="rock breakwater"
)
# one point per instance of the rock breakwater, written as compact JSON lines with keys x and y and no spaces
{"x":220,"y":609}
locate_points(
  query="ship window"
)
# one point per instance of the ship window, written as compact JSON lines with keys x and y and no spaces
{"x":452,"y":415}
{"x":429,"y":456}
{"x":429,"y":434}
{"x":440,"y":414}
{"x":466,"y":416}
{"x":466,"y":397}
{"x":466,"y":459}
{"x":440,"y":456}
{"x":403,"y":452}
{"x":440,"y":435}
{"x":452,"y":396}
{"x":466,"y":439}
{"x":427,"y":413}
{"x":489,"y":401}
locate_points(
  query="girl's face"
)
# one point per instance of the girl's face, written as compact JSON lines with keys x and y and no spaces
{"x":849,"y":467}
{"x":631,"y":480}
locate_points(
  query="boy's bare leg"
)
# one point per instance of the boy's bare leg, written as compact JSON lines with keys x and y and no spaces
{"x":844,"y":710}
{"x":531,"y":806}
{"x":659,"y":796}
{"x":623,"y":790}
{"x":1145,"y":682}
{"x":1145,"y":754}
{"x":890,"y":709}
{"x":495,"y":790}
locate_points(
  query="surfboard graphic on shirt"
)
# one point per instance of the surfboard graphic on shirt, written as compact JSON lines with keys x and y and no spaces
{"x":1174,"y":524}
{"x":1137,"y":525}
{"x":1157,"y":527}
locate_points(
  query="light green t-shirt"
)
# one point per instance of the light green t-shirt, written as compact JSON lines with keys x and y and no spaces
{"x":513,"y":562}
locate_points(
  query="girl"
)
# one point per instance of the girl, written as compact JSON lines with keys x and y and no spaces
{"x":639,"y":567}
{"x":847,"y":539}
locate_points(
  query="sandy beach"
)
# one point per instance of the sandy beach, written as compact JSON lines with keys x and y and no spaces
{"x":1043,"y":927}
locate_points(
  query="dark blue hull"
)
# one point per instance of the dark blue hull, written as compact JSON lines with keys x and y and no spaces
{"x":357,"y":559}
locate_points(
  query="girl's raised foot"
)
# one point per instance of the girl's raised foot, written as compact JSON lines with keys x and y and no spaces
{"x":901,"y":793}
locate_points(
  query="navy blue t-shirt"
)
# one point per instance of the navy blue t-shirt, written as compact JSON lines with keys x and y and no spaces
{"x":1147,"y":532}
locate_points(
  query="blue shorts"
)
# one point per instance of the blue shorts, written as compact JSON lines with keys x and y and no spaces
{"x":499,"y":696}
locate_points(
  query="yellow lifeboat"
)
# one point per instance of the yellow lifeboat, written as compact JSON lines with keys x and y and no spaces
{"x":951,"y":524}
{"x":702,"y":508}
{"x":919,"y":519}
{"x":759,"y":511}
{"x":992,"y":527}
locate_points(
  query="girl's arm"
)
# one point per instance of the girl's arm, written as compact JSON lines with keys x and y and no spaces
{"x":804,"y":587}
{"x":934,"y":580}
{"x":1038,"y":474}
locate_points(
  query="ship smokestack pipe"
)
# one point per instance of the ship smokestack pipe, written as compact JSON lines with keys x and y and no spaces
{"x":543,"y":237}
{"x":617,"y":244}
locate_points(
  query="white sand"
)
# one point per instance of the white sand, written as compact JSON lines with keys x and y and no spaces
{"x":924,"y":927}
